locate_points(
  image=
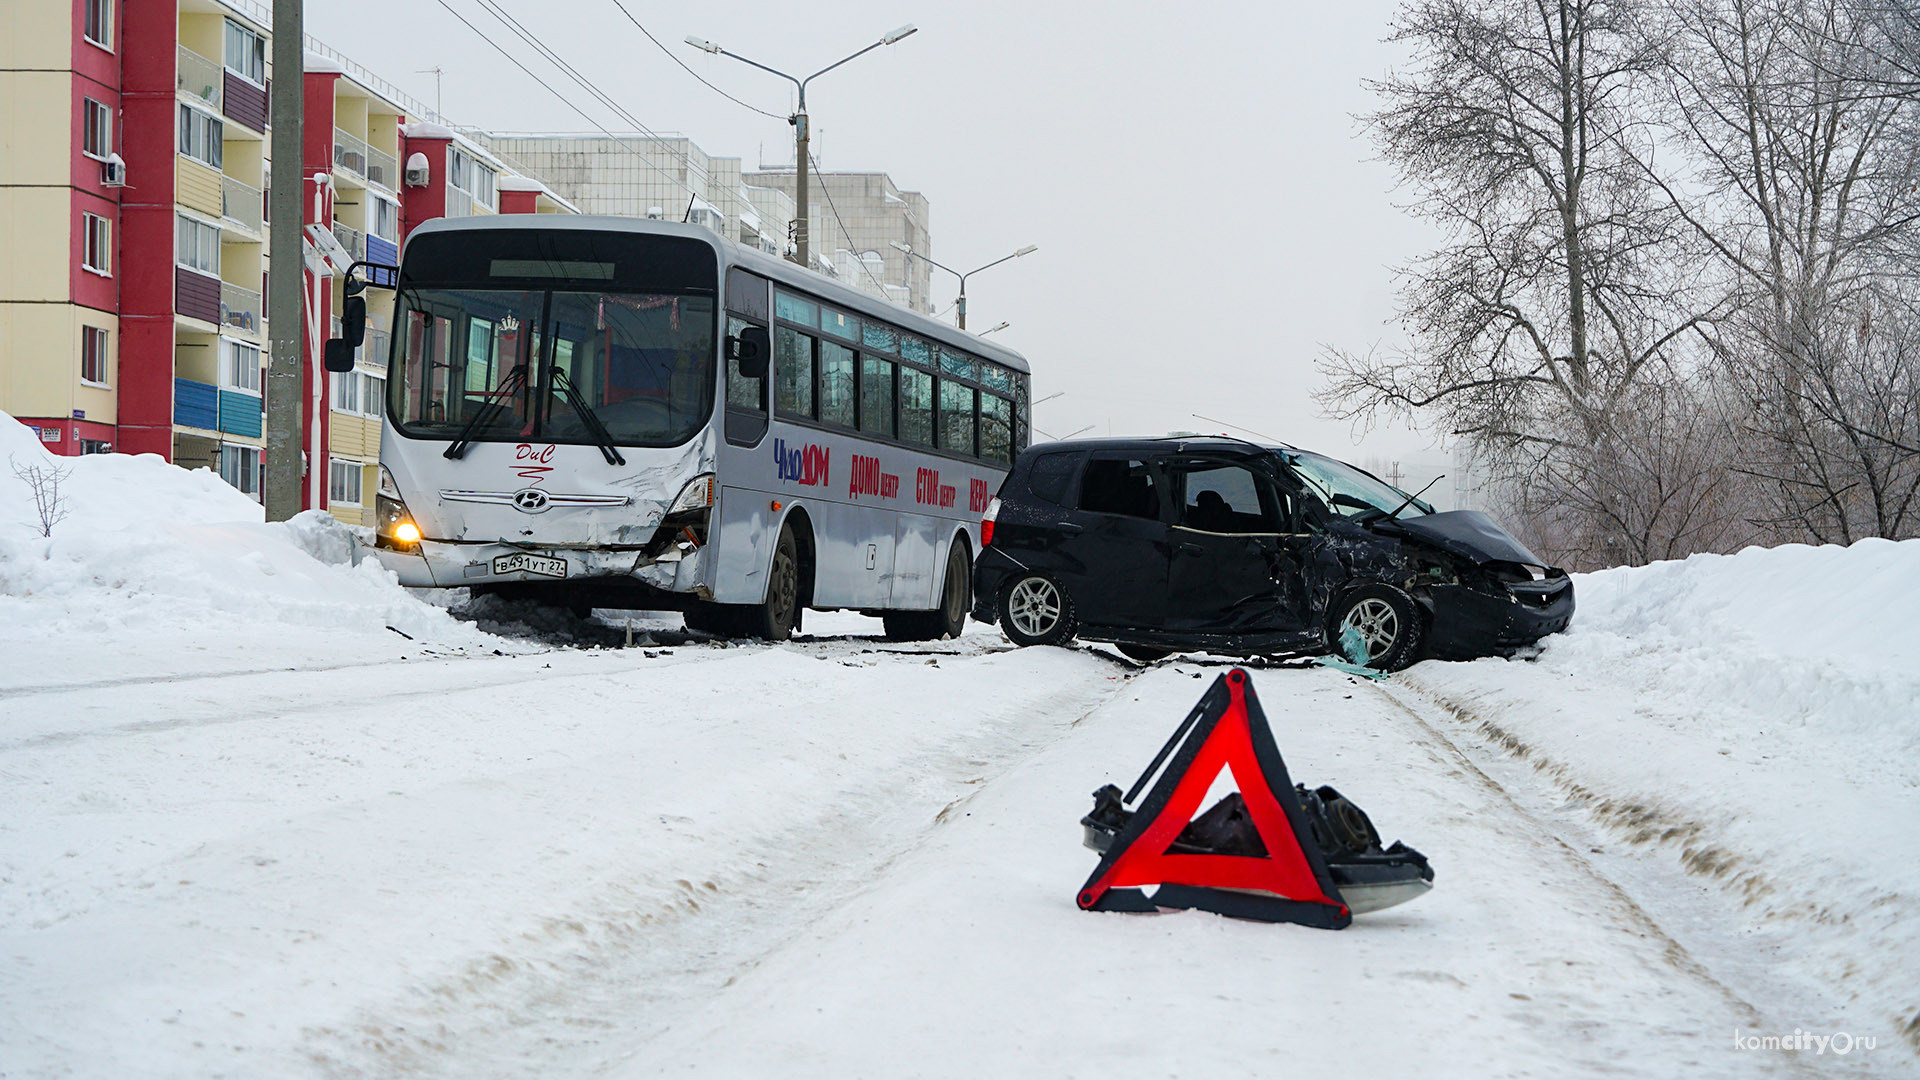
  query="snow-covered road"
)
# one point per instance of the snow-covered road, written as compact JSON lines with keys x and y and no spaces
{"x":834,"y":857}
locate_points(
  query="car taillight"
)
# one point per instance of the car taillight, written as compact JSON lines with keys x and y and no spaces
{"x":986,"y":523}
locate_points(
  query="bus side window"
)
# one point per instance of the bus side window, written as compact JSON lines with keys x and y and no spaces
{"x":916,"y":406}
{"x":956,"y":417}
{"x":876,"y":395}
{"x":836,"y":384}
{"x":746,"y":398}
{"x":793,"y":373}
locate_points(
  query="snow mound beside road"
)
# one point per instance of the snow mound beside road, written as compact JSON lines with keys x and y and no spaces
{"x":1756,"y":716}
{"x":159,"y":570}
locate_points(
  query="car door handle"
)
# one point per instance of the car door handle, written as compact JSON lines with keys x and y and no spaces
{"x":1068,"y":527}
{"x":1191,"y":549}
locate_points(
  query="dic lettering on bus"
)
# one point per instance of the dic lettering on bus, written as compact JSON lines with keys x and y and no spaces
{"x":804,"y":465}
{"x":530,"y":462}
{"x":867,"y":479}
{"x":929,"y":491}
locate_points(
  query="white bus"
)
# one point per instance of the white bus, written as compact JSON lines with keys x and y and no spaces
{"x":608,"y":412}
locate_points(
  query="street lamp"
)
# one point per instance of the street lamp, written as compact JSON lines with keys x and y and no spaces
{"x":995,"y":329}
{"x":799,"y":121}
{"x":961,"y":304}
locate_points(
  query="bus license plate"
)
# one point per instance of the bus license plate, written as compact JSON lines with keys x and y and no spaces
{"x":522,"y":563}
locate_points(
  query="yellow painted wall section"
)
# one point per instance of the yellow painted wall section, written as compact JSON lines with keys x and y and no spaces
{"x":39,"y":34}
{"x":353,"y":436}
{"x":40,"y":361}
{"x":34,"y":241}
{"x":197,"y":187}
{"x":36,"y":122}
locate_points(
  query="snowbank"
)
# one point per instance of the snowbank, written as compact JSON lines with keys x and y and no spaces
{"x":1756,"y":716}
{"x":155,"y":569}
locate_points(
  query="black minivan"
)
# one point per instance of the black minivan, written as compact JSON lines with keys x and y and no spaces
{"x":1213,"y":544}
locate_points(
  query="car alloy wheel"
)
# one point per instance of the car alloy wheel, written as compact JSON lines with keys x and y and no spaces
{"x":1377,"y":622}
{"x":1033,"y":606}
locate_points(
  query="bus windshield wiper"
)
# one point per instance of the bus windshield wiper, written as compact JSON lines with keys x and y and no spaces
{"x":496,"y":404}
{"x":602,"y":437}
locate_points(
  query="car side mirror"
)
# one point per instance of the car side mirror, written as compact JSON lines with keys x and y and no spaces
{"x":339,"y":355}
{"x":353,"y":321}
{"x":750,"y":349}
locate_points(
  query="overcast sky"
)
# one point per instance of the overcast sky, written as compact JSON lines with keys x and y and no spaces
{"x":1207,"y":211}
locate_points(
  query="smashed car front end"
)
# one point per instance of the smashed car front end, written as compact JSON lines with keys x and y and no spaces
{"x":1497,"y":609}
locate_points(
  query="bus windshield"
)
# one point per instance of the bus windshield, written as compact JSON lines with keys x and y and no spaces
{"x":1348,"y":491}
{"x":507,"y":364}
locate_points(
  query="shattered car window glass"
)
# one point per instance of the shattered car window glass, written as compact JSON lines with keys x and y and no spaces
{"x":1050,"y":474}
{"x":1120,"y":486}
{"x":1348,"y":491}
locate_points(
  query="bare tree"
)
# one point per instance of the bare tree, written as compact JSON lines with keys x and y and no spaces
{"x":43,"y":481}
{"x":1568,"y":285}
{"x":1806,"y":191}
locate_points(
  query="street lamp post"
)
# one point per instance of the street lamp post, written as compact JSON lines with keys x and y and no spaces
{"x":799,"y":121}
{"x":960,"y":305}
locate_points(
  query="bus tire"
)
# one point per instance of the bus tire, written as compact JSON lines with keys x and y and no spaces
{"x":774,"y":618}
{"x":1035,"y":610}
{"x":949,"y":620}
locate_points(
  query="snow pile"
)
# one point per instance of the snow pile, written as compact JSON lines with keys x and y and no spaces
{"x":158,"y":569}
{"x":1756,"y":716}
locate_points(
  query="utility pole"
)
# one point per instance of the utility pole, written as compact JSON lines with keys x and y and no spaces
{"x":801,"y":158}
{"x":286,"y":317}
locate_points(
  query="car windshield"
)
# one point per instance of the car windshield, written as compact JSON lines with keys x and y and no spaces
{"x":641,"y":363}
{"x":1348,"y":491}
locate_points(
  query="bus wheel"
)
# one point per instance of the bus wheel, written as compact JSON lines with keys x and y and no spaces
{"x":949,"y":620}
{"x":774,"y":619}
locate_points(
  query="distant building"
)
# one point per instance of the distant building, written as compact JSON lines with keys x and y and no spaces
{"x":876,"y":214}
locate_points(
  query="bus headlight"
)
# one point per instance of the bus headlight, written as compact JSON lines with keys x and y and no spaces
{"x":697,"y":495}
{"x":393,"y":526}
{"x":684,"y":525}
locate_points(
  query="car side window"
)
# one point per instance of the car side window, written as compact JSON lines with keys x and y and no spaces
{"x":1229,"y":499}
{"x":1050,"y":475}
{"x":1120,"y":486}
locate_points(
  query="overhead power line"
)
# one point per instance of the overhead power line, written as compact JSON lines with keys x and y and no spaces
{"x":683,"y":64}
{"x":564,"y":99}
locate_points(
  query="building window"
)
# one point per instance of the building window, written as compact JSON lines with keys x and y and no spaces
{"x":240,"y":466}
{"x":346,"y":392}
{"x":98,"y":253}
{"x":199,"y":245}
{"x":246,"y":53}
{"x":473,"y":176}
{"x":344,"y":483}
{"x":200,"y":136}
{"x":97,"y":139}
{"x":240,"y":369}
{"x":95,"y":360}
{"x":100,"y":22}
{"x":386,"y":219}
{"x":95,"y":446}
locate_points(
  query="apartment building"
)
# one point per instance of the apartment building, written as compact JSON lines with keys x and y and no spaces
{"x":136,"y":158}
{"x":868,"y":214}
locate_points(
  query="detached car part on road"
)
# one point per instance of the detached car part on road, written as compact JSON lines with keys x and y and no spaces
{"x":1218,"y":545}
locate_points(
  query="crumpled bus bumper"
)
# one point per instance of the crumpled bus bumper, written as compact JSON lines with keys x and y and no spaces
{"x":434,"y":564}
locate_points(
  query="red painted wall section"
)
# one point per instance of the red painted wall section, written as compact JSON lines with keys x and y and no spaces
{"x":144,"y":267}
{"x":418,"y":204}
{"x":316,"y":146}
{"x":519,"y":202}
{"x":96,"y":76}
{"x":70,"y":433}
{"x":316,"y":143}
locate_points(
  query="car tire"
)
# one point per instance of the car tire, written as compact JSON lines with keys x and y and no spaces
{"x":1389,"y":622}
{"x":1145,"y":654}
{"x":949,"y":620}
{"x":774,"y":618}
{"x":1035,"y":610}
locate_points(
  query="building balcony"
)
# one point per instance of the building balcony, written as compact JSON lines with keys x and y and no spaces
{"x":241,"y":309}
{"x":350,"y":153}
{"x":241,"y":204}
{"x":200,"y":77}
{"x":382,"y":169}
{"x":352,"y":239}
{"x":196,"y":405}
{"x":241,"y":413}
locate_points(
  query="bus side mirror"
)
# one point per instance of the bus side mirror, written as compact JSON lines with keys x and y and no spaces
{"x":749,"y":350}
{"x":353,"y":321}
{"x":339,"y":355}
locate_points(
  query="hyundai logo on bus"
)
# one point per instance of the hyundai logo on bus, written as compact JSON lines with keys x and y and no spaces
{"x":530,"y":501}
{"x":869,"y":480}
{"x":804,"y":465}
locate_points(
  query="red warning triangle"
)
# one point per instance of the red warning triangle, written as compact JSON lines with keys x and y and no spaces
{"x":1226,"y":731}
